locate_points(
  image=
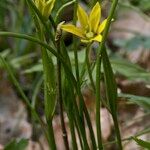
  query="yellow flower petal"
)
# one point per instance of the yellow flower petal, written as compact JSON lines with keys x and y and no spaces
{"x":102,"y":26}
{"x":95,"y":17}
{"x":73,"y":29}
{"x":97,"y":38}
{"x":36,"y":3}
{"x":39,"y":4}
{"x":82,"y":17}
{"x":48,"y":6}
{"x":51,"y":6}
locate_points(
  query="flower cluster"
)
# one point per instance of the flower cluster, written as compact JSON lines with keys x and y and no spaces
{"x":90,"y":28}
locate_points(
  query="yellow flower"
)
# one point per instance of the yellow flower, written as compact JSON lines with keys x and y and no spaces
{"x":90,"y":28}
{"x":45,"y":7}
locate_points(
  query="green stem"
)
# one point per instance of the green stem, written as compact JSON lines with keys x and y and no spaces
{"x":36,"y":90}
{"x":76,"y":59}
{"x":49,"y":121}
{"x":83,"y":70}
{"x":78,"y":90}
{"x":117,"y":130}
{"x":89,"y":67}
{"x":78,"y":131}
{"x":87,"y":116}
{"x":72,"y":129}
{"x":77,"y":119}
{"x":59,"y":95}
{"x":52,"y":22}
{"x":98,"y":102}
{"x":52,"y":143}
{"x":45,"y":58}
{"x":81,"y":125}
{"x":102,"y":48}
{"x":81,"y":101}
{"x":83,"y":108}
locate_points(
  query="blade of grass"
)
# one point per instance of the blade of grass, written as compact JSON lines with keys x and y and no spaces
{"x":89,"y":67}
{"x":98,"y":102}
{"x":72,"y":106}
{"x":82,"y":107}
{"x":49,"y":88}
{"x":36,"y":90}
{"x":69,"y":97}
{"x":111,"y":92}
{"x":145,"y":131}
{"x":103,"y":52}
{"x":144,"y":144}
{"x":59,"y":90}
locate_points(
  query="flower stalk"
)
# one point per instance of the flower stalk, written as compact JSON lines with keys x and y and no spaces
{"x":98,"y":102}
{"x":102,"y":51}
{"x":89,"y":67}
{"x":59,"y":90}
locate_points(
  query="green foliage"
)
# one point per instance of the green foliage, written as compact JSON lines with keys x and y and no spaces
{"x":142,"y":4}
{"x":17,"y":145}
{"x":109,"y":82}
{"x":34,"y":68}
{"x":24,"y":56}
{"x":129,"y":70}
{"x":50,"y":85}
{"x":142,"y":101}
{"x":142,"y":143}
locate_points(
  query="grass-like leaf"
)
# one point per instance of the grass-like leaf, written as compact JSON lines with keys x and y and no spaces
{"x":130,"y":70}
{"x":139,"y":100}
{"x":50,"y":84}
{"x":142,"y":143}
{"x":111,"y":87}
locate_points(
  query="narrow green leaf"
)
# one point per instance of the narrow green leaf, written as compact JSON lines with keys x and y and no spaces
{"x":49,"y":84}
{"x":139,"y":100}
{"x":68,"y":97}
{"x":35,"y":68}
{"x":142,"y":143}
{"x":65,"y":53}
{"x":128,"y":69}
{"x":111,"y":93}
{"x":111,"y":87}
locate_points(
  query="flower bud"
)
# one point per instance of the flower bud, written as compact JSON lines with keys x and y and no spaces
{"x":45,"y":7}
